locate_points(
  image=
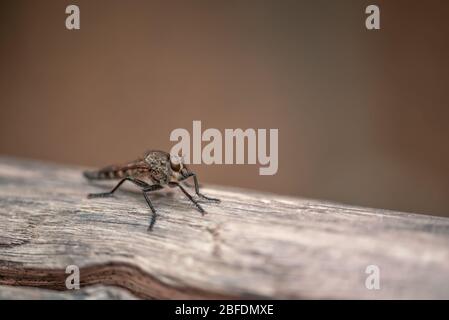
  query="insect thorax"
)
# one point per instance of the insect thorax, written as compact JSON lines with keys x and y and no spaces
{"x":159,"y":164}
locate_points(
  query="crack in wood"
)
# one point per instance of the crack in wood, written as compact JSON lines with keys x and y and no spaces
{"x":120,"y":275}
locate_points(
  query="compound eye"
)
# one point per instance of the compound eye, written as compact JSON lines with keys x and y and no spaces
{"x":175,"y":166}
{"x":176,"y":163}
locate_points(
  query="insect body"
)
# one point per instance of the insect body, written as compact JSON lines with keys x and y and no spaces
{"x":157,"y":166}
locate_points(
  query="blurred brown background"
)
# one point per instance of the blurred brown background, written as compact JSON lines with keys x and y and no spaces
{"x":362,"y":115}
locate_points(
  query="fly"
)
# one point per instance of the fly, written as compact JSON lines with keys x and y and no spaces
{"x":158,"y":167}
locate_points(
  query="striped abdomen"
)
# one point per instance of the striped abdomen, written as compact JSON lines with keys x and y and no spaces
{"x":118,"y":172}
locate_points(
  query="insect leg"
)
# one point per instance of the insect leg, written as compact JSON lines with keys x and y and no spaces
{"x":137,"y":182}
{"x":154,"y":214}
{"x":145,"y":188}
{"x":188,"y":184}
{"x":197,"y":188}
{"x":175,"y":184}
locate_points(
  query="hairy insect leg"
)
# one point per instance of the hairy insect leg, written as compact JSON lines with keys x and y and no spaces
{"x":137,"y":182}
{"x":154,"y":213}
{"x":200,"y":209}
{"x":197,"y":188}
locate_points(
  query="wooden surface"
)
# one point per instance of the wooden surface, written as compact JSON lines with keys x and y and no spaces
{"x":95,"y":292}
{"x":252,"y":245}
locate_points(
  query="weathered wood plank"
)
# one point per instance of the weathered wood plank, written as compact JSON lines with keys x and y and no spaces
{"x":252,"y":245}
{"x":96,"y":292}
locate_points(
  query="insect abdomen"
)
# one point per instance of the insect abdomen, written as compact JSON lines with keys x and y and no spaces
{"x":106,"y":174}
{"x":135,"y":169}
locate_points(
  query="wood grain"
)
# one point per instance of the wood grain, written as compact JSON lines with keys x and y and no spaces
{"x":95,"y":292}
{"x":252,"y":245}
